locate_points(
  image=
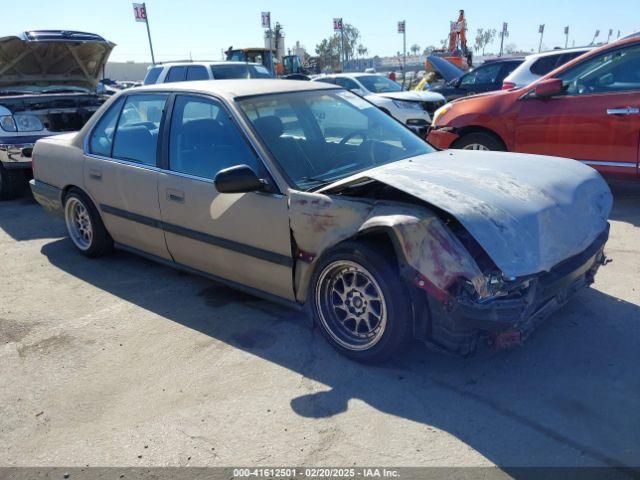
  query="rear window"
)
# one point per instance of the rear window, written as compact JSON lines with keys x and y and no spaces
{"x":152,"y":76}
{"x":223,"y":72}
{"x":544,"y":65}
{"x":233,"y":71}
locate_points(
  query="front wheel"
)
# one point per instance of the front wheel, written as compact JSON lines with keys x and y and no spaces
{"x":478,"y":141}
{"x":360,"y":303}
{"x":85,"y":227}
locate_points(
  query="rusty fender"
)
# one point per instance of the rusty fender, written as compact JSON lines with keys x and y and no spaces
{"x":320,"y":221}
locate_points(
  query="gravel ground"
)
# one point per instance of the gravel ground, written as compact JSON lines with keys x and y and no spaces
{"x":122,"y":362}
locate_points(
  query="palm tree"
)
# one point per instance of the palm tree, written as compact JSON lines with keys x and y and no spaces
{"x":362,"y":50}
{"x":415,"y":48}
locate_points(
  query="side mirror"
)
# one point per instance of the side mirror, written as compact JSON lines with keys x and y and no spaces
{"x":548,"y":88}
{"x":238,"y":179}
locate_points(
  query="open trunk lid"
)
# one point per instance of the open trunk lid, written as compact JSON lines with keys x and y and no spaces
{"x":45,"y":58}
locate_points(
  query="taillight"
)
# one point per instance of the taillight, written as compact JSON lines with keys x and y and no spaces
{"x":508,"y":85}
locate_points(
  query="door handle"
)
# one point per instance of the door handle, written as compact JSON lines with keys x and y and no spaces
{"x":623,"y":111}
{"x":175,"y":195}
{"x":95,"y":175}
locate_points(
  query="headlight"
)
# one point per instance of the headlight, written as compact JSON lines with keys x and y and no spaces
{"x":407,"y":105}
{"x":439,"y":112}
{"x":7,"y":124}
{"x":28,"y":123}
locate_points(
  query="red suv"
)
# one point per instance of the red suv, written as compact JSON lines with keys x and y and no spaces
{"x":588,"y":109}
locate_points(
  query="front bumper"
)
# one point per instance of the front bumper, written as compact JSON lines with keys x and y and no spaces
{"x":16,"y":155}
{"x":441,"y":138}
{"x":48,"y":196}
{"x":509,"y":321}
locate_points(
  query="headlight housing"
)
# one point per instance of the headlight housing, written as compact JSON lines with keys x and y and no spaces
{"x":28,"y":123}
{"x":440,"y":112}
{"x":407,"y":105}
{"x":8,"y":124}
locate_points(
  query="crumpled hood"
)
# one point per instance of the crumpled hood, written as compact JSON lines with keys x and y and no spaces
{"x":528,"y":212}
{"x":26,"y":62}
{"x":413,"y":96}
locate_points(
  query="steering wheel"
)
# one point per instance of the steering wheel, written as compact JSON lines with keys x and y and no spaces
{"x":355,"y":133}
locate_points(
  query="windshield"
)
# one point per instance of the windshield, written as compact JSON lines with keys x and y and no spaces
{"x":379,"y":84}
{"x":318,"y":137}
{"x":235,"y":70}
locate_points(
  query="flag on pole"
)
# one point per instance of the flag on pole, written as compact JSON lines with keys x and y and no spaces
{"x":597,"y":34}
{"x":140,"y":12}
{"x":505,"y":27}
{"x":337,"y":25}
{"x":266,"y":19}
{"x":566,"y":30}
{"x":541,"y":28}
{"x":401,"y":26}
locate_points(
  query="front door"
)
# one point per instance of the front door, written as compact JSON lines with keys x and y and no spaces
{"x":243,"y":238}
{"x":596,"y":120}
{"x":120,"y":172}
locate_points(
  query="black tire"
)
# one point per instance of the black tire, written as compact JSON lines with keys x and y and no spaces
{"x":398,"y":326}
{"x":488,"y":141}
{"x":100,"y":242}
{"x":12,"y":182}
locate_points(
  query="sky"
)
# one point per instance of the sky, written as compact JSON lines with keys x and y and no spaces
{"x":201,"y":29}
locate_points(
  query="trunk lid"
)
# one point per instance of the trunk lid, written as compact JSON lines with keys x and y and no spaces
{"x":46,"y":58}
{"x":528,"y":212}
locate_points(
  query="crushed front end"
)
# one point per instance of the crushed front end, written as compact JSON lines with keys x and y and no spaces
{"x":512,"y":308}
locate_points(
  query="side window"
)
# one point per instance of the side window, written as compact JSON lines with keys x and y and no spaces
{"x":152,"y":76}
{"x":204,"y":140}
{"x":347,"y":83}
{"x":612,"y":71}
{"x":197,"y":72}
{"x":136,"y":137}
{"x":176,"y":74}
{"x":544,"y":65}
{"x":482,"y":75}
{"x":102,"y":137}
{"x":507,"y":68}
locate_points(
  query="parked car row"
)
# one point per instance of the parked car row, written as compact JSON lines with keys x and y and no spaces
{"x":587,"y":109}
{"x":307,"y":194}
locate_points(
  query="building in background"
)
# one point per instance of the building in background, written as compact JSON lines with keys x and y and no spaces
{"x":126,"y":71}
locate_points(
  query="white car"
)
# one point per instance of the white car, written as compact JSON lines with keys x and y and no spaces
{"x":414,"y":109}
{"x":538,"y":65}
{"x":191,"y":71}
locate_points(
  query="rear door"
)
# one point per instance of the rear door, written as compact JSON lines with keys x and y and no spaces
{"x":243,"y":238}
{"x":596,"y":121}
{"x":121,"y":174}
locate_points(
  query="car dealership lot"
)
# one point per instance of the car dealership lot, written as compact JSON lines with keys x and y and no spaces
{"x":120,"y":361}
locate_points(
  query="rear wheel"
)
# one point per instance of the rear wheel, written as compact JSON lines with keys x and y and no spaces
{"x":361,"y":304}
{"x":11,"y":182}
{"x":85,"y":227}
{"x":478,"y":141}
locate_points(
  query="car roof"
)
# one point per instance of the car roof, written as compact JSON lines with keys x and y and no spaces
{"x":233,"y":89}
{"x":204,"y":62}
{"x":559,"y":51}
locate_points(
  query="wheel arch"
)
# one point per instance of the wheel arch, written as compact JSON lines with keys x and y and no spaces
{"x":385,"y":239}
{"x":480,"y":129}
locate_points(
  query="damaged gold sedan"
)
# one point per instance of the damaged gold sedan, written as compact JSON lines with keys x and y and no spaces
{"x":307,"y":194}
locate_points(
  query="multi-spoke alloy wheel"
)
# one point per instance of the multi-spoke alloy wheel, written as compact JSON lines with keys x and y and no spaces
{"x":351,"y":305}
{"x":78,"y":223}
{"x":475,"y":146}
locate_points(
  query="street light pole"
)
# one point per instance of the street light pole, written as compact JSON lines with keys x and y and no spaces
{"x":146,"y":21}
{"x":404,"y":45}
{"x":541,"y":30}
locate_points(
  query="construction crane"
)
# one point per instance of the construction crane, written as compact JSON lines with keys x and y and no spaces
{"x":457,"y":52}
